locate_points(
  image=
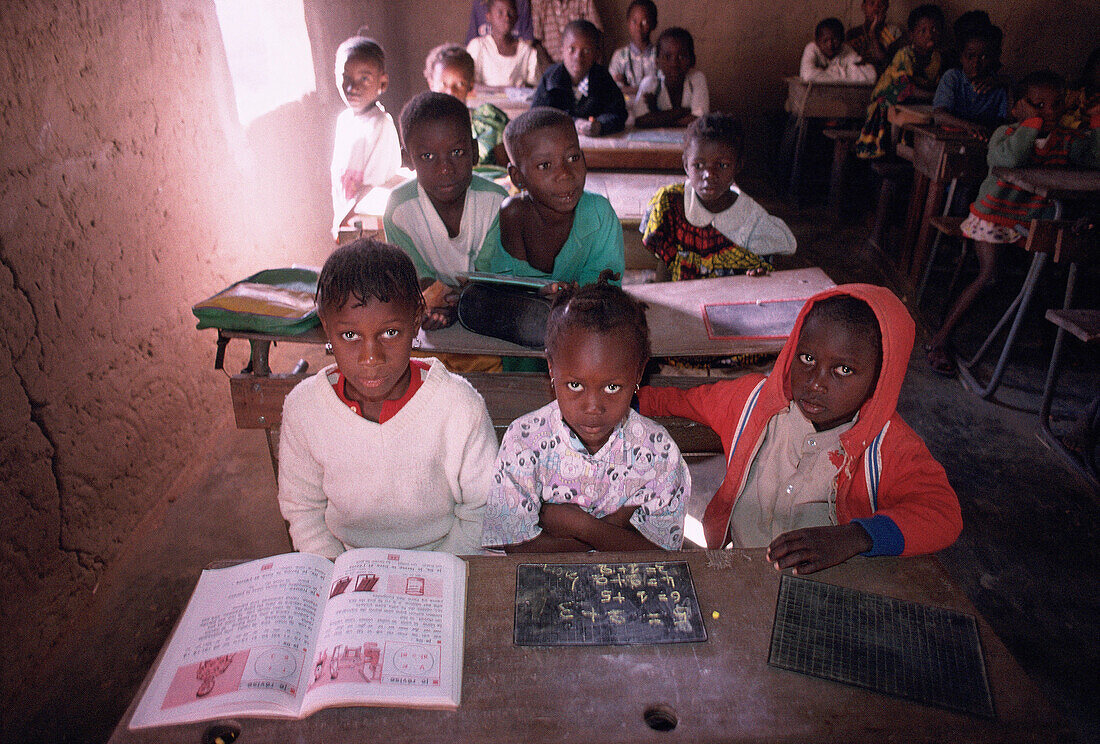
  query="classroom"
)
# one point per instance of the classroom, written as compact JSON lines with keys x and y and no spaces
{"x":157,"y":153}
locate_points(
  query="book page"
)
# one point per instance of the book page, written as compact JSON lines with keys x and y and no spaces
{"x":241,"y":646}
{"x":392,"y":631}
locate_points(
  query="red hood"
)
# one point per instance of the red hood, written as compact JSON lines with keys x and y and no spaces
{"x":898,"y":335}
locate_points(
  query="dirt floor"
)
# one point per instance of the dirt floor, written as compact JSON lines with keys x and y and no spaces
{"x":1027,"y":558}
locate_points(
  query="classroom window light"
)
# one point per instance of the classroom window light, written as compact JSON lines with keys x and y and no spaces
{"x":269,"y":54}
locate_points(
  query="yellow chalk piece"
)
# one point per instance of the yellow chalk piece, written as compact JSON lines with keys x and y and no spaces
{"x":715,"y":615}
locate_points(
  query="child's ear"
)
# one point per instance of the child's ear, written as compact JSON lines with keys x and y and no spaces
{"x":515,"y":176}
{"x":473,"y":151}
{"x":383,"y":83}
{"x":406,"y":159}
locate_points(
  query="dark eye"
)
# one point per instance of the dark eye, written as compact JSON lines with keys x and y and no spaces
{"x":613,"y":388}
{"x":806,"y":358}
{"x":349,"y":335}
{"x":391,"y":333}
{"x":427,"y":156}
{"x":844,"y":370}
{"x":574,"y":387}
{"x":458,"y":152}
{"x":574,"y":157}
{"x":543,"y":166}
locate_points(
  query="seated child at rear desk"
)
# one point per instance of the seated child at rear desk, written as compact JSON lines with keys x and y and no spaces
{"x":581,"y":87}
{"x":450,"y":69}
{"x":676,"y":94}
{"x":707,"y":227}
{"x":366,"y":152}
{"x":820,"y":465}
{"x":586,"y":472}
{"x":377,"y":450}
{"x":443,"y":218}
{"x":553,"y":229}
{"x":828,"y":59}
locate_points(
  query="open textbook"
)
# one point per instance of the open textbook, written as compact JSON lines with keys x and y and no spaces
{"x":286,"y":636}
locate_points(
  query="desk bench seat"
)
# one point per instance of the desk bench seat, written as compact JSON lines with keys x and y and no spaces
{"x":258,"y":404}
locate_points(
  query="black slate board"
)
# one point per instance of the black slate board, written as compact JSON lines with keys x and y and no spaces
{"x":601,"y":604}
{"x":764,"y":319}
{"x":922,"y":653}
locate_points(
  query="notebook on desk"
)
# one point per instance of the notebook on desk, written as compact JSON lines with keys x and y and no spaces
{"x":762,"y":319}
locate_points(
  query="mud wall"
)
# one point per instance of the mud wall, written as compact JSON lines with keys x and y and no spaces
{"x":130,"y":190}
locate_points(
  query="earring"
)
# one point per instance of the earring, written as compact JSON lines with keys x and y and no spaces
{"x":637,"y":387}
{"x":551,"y":381}
{"x":328,"y":348}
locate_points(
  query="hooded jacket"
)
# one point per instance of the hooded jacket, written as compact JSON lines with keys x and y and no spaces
{"x":888,"y":481}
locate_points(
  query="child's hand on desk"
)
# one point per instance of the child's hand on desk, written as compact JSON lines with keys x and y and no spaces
{"x":758,"y":271}
{"x":550,"y":291}
{"x":440,"y":302}
{"x":588,"y":127}
{"x":814,"y":548}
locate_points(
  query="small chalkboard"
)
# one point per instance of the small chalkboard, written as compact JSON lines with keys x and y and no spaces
{"x":927,"y":654}
{"x":606,"y":604}
{"x":763,"y":319}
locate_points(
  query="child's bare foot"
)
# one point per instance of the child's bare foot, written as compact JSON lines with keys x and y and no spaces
{"x":439,"y":317}
{"x":941,"y":361}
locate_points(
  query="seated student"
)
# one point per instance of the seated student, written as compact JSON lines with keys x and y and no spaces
{"x":875,"y":40}
{"x":450,"y":69}
{"x":553,"y":228}
{"x":911,"y":77}
{"x":586,"y":472}
{"x":1084,"y":100}
{"x":676,"y":80}
{"x":580,"y":87}
{"x":707,"y":227}
{"x":969,"y":96}
{"x":549,"y":19}
{"x":633,"y":62}
{"x":377,"y":450}
{"x":1003,"y":211}
{"x":827,"y":58}
{"x":479,"y":20}
{"x":820,"y":465}
{"x":442,"y":218}
{"x":367,"y":151}
{"x":501,"y":59}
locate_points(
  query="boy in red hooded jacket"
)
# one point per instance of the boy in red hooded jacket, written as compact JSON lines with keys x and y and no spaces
{"x":820,"y":467}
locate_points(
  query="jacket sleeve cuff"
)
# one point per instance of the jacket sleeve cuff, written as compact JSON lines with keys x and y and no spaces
{"x":1034,"y":122}
{"x":886,"y":538}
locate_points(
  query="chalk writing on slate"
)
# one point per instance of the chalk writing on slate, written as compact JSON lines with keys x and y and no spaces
{"x":764,"y":319}
{"x":599,"y":604}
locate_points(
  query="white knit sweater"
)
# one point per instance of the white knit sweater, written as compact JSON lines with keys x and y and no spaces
{"x":418,"y":481}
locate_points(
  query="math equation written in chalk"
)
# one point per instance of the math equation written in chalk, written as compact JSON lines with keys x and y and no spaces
{"x":606,"y":604}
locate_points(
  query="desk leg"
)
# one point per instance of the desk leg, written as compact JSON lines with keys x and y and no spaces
{"x":796,"y":163}
{"x":272,"y":434}
{"x":924,"y":263}
{"x":258,"y":360}
{"x":1015,"y":313}
{"x":912,"y":223}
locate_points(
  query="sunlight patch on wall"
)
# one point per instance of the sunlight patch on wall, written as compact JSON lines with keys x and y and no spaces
{"x":269,"y":54}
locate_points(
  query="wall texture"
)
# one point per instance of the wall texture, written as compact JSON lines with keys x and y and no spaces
{"x":130,"y":191}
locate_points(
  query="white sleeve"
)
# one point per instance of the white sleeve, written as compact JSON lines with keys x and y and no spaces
{"x":770,"y":236}
{"x":301,"y":498}
{"x":649,"y":84}
{"x":531,"y":76}
{"x":808,"y":69}
{"x":475,"y":478}
{"x":700,"y":96}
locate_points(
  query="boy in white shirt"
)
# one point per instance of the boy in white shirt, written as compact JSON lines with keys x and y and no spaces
{"x":500,"y":58}
{"x":367,"y":151}
{"x":828,"y":59}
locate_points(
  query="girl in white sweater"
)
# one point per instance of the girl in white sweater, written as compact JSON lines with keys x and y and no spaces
{"x":377,"y":450}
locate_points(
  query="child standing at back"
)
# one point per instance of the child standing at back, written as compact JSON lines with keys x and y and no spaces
{"x":501,"y":59}
{"x":553,"y":229}
{"x":676,"y":94}
{"x":820,"y":465}
{"x":377,"y":449}
{"x":632,"y":63}
{"x":586,"y":472}
{"x":707,"y":227}
{"x":367,"y":151}
{"x":1002,"y":213}
{"x":580,"y":86}
{"x":446,"y":216}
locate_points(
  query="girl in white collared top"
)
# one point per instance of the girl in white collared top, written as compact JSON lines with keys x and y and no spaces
{"x":677,"y":80}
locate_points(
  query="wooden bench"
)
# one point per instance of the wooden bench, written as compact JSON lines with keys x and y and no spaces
{"x":258,"y":404}
{"x":843,"y":141}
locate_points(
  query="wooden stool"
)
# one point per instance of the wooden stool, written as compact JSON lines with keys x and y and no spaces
{"x":1085,"y":325}
{"x":892,"y":174}
{"x":843,"y":140}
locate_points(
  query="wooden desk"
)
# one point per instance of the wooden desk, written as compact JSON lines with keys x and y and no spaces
{"x":630,"y":192}
{"x":1057,"y":184}
{"x":674,"y":312}
{"x":940,"y":157}
{"x":512,"y":101}
{"x":721,"y":690}
{"x":636,"y":149}
{"x":833,"y":100}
